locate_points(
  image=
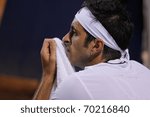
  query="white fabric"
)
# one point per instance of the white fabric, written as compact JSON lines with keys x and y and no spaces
{"x":103,"y":81}
{"x":96,"y":29}
{"x":64,"y":68}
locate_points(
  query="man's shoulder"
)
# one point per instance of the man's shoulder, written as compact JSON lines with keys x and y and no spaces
{"x":108,"y":70}
{"x":90,"y":73}
{"x":138,"y":65}
{"x":140,"y":68}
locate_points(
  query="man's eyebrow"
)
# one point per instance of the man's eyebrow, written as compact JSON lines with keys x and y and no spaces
{"x":73,"y":28}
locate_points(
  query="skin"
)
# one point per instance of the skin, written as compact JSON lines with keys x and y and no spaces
{"x":78,"y":54}
{"x":48,"y":59}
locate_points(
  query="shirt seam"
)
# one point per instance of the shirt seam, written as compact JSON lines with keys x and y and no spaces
{"x":85,"y":87}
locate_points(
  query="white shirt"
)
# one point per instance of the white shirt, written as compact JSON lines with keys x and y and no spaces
{"x":104,"y":81}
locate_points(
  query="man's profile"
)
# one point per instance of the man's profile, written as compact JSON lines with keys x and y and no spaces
{"x":98,"y":43}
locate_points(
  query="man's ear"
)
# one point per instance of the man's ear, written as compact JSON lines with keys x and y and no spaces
{"x":98,"y":46}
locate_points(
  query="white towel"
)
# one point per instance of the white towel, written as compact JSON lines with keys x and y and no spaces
{"x":64,"y":67}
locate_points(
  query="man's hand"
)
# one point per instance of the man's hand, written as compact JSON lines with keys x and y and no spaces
{"x":48,"y":59}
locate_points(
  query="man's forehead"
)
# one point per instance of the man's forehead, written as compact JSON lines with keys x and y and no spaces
{"x":76,"y":25}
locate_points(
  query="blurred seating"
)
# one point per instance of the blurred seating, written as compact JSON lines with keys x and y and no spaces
{"x":17,"y":88}
{"x":2,"y":8}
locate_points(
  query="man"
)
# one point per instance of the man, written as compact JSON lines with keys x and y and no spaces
{"x":146,"y":33}
{"x":97,"y":42}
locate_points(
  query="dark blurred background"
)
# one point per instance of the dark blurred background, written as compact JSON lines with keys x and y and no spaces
{"x":25,"y":24}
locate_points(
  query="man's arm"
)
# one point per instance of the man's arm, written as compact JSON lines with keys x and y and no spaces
{"x":48,"y":59}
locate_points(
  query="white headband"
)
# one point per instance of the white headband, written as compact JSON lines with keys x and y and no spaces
{"x":96,"y":29}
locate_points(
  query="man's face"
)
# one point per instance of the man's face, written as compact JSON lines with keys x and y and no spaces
{"x":74,"y":42}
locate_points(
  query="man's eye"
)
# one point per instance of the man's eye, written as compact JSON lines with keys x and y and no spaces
{"x":73,"y":33}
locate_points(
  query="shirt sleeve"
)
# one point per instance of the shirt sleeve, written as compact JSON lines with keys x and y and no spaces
{"x":71,"y":89}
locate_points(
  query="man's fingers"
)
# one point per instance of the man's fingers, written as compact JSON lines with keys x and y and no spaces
{"x":48,"y":50}
{"x":45,"y":47}
{"x":52,"y":49}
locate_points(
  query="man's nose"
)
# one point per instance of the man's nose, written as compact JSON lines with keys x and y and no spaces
{"x":66,"y":40}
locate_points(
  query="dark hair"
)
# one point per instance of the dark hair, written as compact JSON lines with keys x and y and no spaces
{"x":88,"y":39}
{"x":115,"y":19}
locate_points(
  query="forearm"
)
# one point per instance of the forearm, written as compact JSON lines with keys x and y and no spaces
{"x":48,"y":59}
{"x":44,"y":90}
